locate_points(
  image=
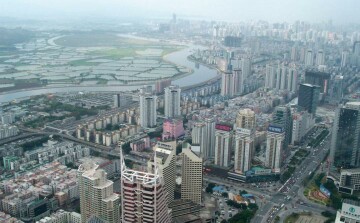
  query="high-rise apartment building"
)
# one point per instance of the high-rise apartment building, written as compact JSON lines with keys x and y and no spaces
{"x":345,"y":144}
{"x":223,"y":145}
{"x":166,"y":164}
{"x":203,"y":134}
{"x":148,"y":113}
{"x":270,"y":78}
{"x":172,"y":101}
{"x":309,"y":58}
{"x":308,"y":98}
{"x":192,"y":176}
{"x":246,"y":119}
{"x":244,"y":149}
{"x":97,"y":198}
{"x":344,"y":58}
{"x":320,"y":58}
{"x":143,"y":196}
{"x":246,"y":64}
{"x":292,"y":80}
{"x":244,"y":140}
{"x":228,"y":84}
{"x":274,"y":143}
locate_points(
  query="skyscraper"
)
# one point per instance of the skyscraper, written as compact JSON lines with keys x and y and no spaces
{"x":308,"y":98}
{"x":270,"y":78}
{"x":223,"y":143}
{"x":320,"y":79}
{"x":274,"y":144}
{"x":166,"y":164}
{"x":344,"y":58}
{"x":246,"y":119}
{"x":143,"y":196}
{"x":96,"y":195}
{"x":246,"y":64}
{"x":244,"y":140}
{"x":172,"y":101}
{"x":227,"y":84}
{"x":309,"y":58}
{"x":292,"y":80}
{"x":203,"y":134}
{"x":191,"y":176}
{"x":345,"y":144}
{"x":148,"y":110}
{"x":282,"y":118}
{"x":320,"y":58}
{"x":294,"y":54}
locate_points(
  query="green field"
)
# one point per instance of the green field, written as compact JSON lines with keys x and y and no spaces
{"x":100,"y":40}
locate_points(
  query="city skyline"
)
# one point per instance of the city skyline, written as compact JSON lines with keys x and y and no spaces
{"x":339,"y":12}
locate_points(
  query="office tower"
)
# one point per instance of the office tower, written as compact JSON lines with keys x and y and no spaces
{"x":293,"y":55}
{"x":320,"y":58}
{"x":143,"y":196}
{"x":172,"y":101}
{"x":203,"y":134}
{"x":349,"y":213}
{"x":344,"y":58}
{"x":246,"y":67}
{"x":148,"y":110}
{"x":274,"y":143}
{"x":292,"y":80}
{"x":320,"y":79}
{"x":160,"y":85}
{"x":166,"y":164}
{"x":246,"y":119}
{"x":270,"y":78}
{"x":97,"y":198}
{"x":345,"y":144}
{"x":349,"y":181}
{"x":227,"y":84}
{"x":223,"y":144}
{"x":191,"y":176}
{"x":302,"y":122}
{"x":232,"y":41}
{"x":308,"y":98}
{"x":282,"y":118}
{"x":309,"y":58}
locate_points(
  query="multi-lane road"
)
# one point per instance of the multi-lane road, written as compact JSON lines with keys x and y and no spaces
{"x":288,"y":199}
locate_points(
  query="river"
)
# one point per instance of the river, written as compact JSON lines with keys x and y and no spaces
{"x":200,"y":74}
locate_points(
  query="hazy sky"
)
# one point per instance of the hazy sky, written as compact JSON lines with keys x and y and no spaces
{"x":340,"y":11}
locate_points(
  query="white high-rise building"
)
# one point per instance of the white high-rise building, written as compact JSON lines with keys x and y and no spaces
{"x":203,"y":134}
{"x":270,"y":78}
{"x":244,"y":140}
{"x":293,"y":53}
{"x":192,"y":176}
{"x":238,"y":81}
{"x":320,"y":58}
{"x":309,"y":58}
{"x":223,"y":144}
{"x":244,"y":149}
{"x":274,"y":143}
{"x":172,"y":101}
{"x":227,"y":84}
{"x":166,"y":164}
{"x":246,"y":67}
{"x":283,"y":75}
{"x":143,"y":196}
{"x":344,"y":58}
{"x":97,"y":198}
{"x":148,"y":113}
{"x":292,"y":80}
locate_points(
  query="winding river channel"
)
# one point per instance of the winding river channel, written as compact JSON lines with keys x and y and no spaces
{"x":199,"y":75}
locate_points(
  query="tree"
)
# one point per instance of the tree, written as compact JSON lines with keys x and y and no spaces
{"x":243,"y":192}
{"x":224,"y":194}
{"x":126,"y":148}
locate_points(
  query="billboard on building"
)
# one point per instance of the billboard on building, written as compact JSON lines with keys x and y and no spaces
{"x":223,"y":127}
{"x":275,"y":129}
{"x":325,"y":191}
